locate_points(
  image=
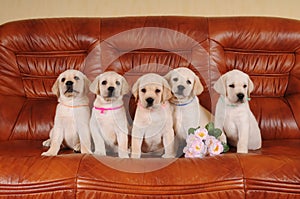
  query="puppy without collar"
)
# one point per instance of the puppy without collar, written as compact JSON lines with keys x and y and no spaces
{"x":188,"y":113}
{"x":233,"y":114}
{"x":71,"y":122}
{"x":153,"y":125}
{"x":108,"y":121}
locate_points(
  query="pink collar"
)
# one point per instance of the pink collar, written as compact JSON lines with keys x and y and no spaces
{"x":102,"y":109}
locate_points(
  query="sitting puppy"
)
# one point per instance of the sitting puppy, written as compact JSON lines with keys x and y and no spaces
{"x":153,"y":124}
{"x":188,"y":113}
{"x":108,"y":121}
{"x":233,"y":114}
{"x":71,"y":122}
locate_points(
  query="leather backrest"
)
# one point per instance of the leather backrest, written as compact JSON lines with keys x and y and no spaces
{"x":34,"y":52}
{"x":268,"y":50}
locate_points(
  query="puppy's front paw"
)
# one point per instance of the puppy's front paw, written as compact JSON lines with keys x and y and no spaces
{"x":242,"y":147}
{"x":76,"y":148}
{"x":222,"y":138}
{"x":242,"y":150}
{"x":47,"y":153}
{"x":47,"y":143}
{"x":123,"y":155}
{"x":101,"y":153}
{"x":136,"y":155}
{"x":168,"y":156}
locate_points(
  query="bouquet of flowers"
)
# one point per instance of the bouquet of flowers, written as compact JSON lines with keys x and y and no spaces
{"x":203,"y":142}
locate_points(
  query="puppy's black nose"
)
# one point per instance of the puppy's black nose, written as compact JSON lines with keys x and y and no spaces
{"x":180,"y":87}
{"x":150,"y":101}
{"x":111,"y":89}
{"x":69,"y":83}
{"x":240,"y":96}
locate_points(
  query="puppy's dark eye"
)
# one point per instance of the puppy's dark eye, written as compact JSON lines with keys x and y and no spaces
{"x":143,"y":90}
{"x":175,"y":79}
{"x":63,"y":79}
{"x":245,"y":86}
{"x":188,"y":82}
{"x":76,"y":78}
{"x":157,"y":91}
{"x":231,"y":85}
{"x":118,"y":83}
{"x":104,"y":82}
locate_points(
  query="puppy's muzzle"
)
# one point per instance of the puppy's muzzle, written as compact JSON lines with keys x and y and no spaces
{"x":149,"y":101}
{"x":69,"y":85}
{"x":180,"y":89}
{"x":110,"y":90}
{"x":240,"y":97}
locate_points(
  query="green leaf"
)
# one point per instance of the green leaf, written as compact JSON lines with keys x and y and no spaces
{"x":217,"y":133}
{"x":210,"y":126}
{"x":191,"y":131}
{"x":225,"y":148}
{"x":211,"y":133}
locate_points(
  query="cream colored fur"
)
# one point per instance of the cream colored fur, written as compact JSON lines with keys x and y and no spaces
{"x":71,"y":122}
{"x":153,"y":125}
{"x":188,"y":112}
{"x":233,"y":114}
{"x":109,"y":128}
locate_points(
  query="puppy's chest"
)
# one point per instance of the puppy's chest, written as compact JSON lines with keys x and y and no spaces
{"x":110,"y":117}
{"x":190,"y":111}
{"x":235,"y":114}
{"x":151,"y":118}
{"x":71,"y":113}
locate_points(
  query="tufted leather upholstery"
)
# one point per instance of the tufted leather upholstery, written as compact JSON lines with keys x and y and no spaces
{"x":34,"y":52}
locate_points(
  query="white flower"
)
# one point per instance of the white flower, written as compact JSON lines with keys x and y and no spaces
{"x":201,"y":133}
{"x":215,"y":148}
{"x":201,"y":144}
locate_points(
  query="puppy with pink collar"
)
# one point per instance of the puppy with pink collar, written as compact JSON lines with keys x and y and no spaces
{"x":108,"y":124}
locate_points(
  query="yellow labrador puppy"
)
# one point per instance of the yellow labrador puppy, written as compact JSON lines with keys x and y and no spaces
{"x":153,"y":124}
{"x":188,"y":113}
{"x":71,"y":122}
{"x":108,"y":121}
{"x":233,"y":114}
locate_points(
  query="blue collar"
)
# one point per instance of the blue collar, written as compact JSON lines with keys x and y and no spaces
{"x":183,"y":104}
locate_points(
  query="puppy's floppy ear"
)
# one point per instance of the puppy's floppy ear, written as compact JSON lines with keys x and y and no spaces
{"x":198,"y":88}
{"x":94,"y":87}
{"x":55,"y":88}
{"x":168,"y":76}
{"x":87,"y":84}
{"x":166,"y":95}
{"x":250,"y":86}
{"x":125,"y":87}
{"x":220,"y":85}
{"x":135,"y":89}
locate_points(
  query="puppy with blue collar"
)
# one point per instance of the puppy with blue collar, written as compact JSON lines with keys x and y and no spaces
{"x":188,"y":113}
{"x":233,"y":114}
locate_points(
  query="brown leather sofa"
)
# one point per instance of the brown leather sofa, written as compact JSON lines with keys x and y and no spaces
{"x":34,"y":52}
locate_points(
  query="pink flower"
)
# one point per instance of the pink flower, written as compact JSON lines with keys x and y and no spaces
{"x":210,"y":140}
{"x":215,"y":148}
{"x":201,"y":144}
{"x":190,"y":138}
{"x":201,"y":133}
{"x":188,"y":154}
{"x":198,"y":148}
